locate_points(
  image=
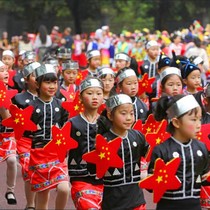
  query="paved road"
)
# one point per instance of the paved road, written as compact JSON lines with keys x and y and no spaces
{"x":19,"y":192}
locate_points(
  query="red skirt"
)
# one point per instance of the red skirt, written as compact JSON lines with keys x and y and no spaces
{"x":205,"y":196}
{"x":7,"y":146}
{"x":23,"y":150}
{"x":86,"y":195}
{"x":45,"y":170}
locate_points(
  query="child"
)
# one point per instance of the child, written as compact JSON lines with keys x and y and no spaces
{"x":63,"y":54}
{"x":86,"y":189}
{"x":149,"y":65}
{"x":8,"y":145}
{"x":69,"y":75}
{"x":171,"y":81}
{"x":163,"y":63}
{"x":121,"y":190}
{"x":184,"y":116}
{"x":107,"y":76}
{"x":29,"y":57}
{"x":19,"y":82}
{"x":8,"y":58}
{"x":127,"y":83}
{"x":22,"y":100}
{"x":191,"y":75}
{"x":94,"y":62}
{"x":198,"y":61}
{"x":47,"y":112}
{"x":122,"y":60}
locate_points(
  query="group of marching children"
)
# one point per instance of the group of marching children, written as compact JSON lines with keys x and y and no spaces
{"x":41,"y":86}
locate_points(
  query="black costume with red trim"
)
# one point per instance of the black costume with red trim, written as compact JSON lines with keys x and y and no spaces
{"x":121,"y":190}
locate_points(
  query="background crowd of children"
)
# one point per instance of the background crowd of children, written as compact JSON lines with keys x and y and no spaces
{"x":105,"y":70}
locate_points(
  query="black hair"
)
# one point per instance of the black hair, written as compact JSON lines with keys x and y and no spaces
{"x":46,"y":77}
{"x":103,"y":123}
{"x":162,"y":106}
{"x":25,"y":37}
{"x":104,"y":76}
{"x":198,"y":96}
{"x":174,"y":36}
{"x":134,"y":66}
{"x":43,"y":33}
{"x":197,"y":42}
{"x":124,"y":54}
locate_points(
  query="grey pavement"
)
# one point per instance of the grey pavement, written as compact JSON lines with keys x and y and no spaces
{"x":20,"y":195}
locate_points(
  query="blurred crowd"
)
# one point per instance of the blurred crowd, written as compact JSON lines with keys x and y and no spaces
{"x":194,"y":40}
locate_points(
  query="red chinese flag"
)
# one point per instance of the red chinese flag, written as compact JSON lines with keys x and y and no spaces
{"x":20,"y":120}
{"x":105,"y":155}
{"x":164,"y":178}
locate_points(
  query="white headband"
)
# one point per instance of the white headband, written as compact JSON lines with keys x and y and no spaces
{"x":126,"y":73}
{"x":170,"y":70}
{"x":93,"y":53}
{"x":8,"y":52}
{"x":117,"y":100}
{"x":105,"y":71}
{"x":122,"y":56}
{"x":182,"y":106}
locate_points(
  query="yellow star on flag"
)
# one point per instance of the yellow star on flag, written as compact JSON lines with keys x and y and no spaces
{"x":58,"y":142}
{"x":158,"y":140}
{"x":159,"y":179}
{"x":102,"y":155}
{"x":17,"y":120}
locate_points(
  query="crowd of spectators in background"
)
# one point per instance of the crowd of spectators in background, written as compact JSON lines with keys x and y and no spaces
{"x":194,"y":40}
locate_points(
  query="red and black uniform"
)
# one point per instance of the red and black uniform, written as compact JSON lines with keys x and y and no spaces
{"x":86,"y":189}
{"x":45,"y":169}
{"x":121,"y":190}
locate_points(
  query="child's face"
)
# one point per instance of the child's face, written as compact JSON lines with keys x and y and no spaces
{"x":188,"y":126}
{"x":193,"y":80}
{"x":173,"y":86}
{"x":95,"y":62}
{"x":92,"y":98}
{"x":120,"y":64}
{"x":177,"y":40}
{"x":8,"y":60}
{"x":153,"y":52}
{"x":122,"y":118}
{"x":48,"y":89}
{"x":108,"y":82}
{"x":69,"y":76}
{"x":31,"y":82}
{"x":130,"y":86}
{"x":20,"y":62}
{"x":4,"y":75}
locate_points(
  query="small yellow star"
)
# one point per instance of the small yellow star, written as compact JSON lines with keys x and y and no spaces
{"x":158,"y":140}
{"x":102,"y":155}
{"x":159,"y":179}
{"x":148,"y":129}
{"x":76,"y":107}
{"x":17,"y":120}
{"x":58,"y":142}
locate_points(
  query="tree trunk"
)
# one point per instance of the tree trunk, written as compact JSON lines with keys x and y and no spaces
{"x":74,"y":6}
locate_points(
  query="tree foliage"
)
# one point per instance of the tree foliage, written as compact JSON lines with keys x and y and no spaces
{"x":88,"y":15}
